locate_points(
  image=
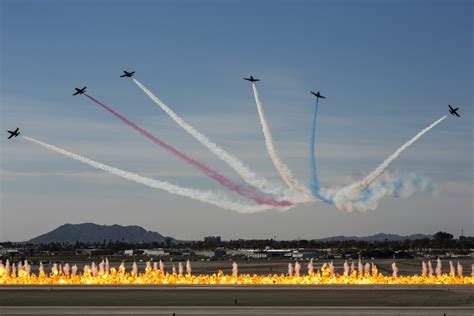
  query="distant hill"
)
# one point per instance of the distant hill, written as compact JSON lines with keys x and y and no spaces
{"x":377,"y":237}
{"x":89,"y":232}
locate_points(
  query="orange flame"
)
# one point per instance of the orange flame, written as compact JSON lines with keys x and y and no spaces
{"x":153,"y":275}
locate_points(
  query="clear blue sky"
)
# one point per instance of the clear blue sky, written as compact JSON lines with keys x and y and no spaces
{"x":389,"y":68}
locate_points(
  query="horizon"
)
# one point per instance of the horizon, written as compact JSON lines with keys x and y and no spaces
{"x":224,"y":240}
{"x":384,"y":80}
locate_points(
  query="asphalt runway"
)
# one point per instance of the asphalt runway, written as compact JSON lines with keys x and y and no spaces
{"x":237,"y":311}
{"x":237,"y":300}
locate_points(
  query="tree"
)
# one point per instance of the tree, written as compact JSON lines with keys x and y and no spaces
{"x":443,"y":240}
{"x":169,"y":242}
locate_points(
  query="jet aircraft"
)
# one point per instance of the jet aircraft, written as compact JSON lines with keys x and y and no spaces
{"x":318,"y":95}
{"x":453,"y":111}
{"x":14,"y":133}
{"x":80,"y":91}
{"x":252,"y":79}
{"x":127,"y":74}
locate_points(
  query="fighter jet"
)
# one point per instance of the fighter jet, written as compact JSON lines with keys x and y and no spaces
{"x":80,"y":91}
{"x":252,"y":79}
{"x":453,"y":111}
{"x":14,"y":133}
{"x":318,"y":95}
{"x":127,"y":74}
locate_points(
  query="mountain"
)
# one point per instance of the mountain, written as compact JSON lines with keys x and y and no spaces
{"x":90,"y":232}
{"x":377,"y":237}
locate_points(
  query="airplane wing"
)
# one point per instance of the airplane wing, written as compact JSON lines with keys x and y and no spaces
{"x":76,"y":93}
{"x":456,"y":113}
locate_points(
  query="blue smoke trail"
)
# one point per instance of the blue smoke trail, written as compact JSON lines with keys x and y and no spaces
{"x":392,"y":184}
{"x":314,"y":171}
{"x":388,"y":184}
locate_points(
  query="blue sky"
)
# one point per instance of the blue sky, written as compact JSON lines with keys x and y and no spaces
{"x":388,"y":68}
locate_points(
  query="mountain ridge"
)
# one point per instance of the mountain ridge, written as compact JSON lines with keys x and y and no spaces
{"x":90,"y":232}
{"x":377,"y":237}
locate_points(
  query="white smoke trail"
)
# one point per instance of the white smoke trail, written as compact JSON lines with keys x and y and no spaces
{"x":389,"y":184}
{"x":274,"y":155}
{"x":367,"y":181}
{"x":210,"y":197}
{"x":244,"y":171}
{"x":351,"y":197}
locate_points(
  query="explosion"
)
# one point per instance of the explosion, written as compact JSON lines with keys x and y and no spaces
{"x":155,"y":274}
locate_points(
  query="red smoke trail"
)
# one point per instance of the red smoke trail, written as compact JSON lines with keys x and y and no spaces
{"x":246,"y":191}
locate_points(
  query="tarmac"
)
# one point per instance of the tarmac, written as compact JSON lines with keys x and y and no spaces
{"x":237,"y":300}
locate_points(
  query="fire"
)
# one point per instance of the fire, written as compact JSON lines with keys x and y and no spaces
{"x":103,"y":274}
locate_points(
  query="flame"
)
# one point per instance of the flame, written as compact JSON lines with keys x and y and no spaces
{"x":102,"y":274}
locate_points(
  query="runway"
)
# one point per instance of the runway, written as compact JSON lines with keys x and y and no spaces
{"x":237,"y":300}
{"x":237,"y":311}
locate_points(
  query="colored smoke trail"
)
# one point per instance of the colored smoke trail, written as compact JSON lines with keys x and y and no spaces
{"x":314,"y":171}
{"x":389,"y":184}
{"x":359,"y":195}
{"x":248,"y":175}
{"x":246,"y":191}
{"x":278,"y":163}
{"x":209,"y":197}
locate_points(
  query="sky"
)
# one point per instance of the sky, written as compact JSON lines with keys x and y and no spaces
{"x":388,"y":69}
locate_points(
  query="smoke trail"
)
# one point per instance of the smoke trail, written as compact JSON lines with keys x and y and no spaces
{"x":209,"y":197}
{"x":367,"y":181}
{"x":389,"y":184}
{"x":278,"y":163}
{"x":314,"y":172}
{"x":348,"y":197}
{"x":246,"y":191}
{"x":248,"y":175}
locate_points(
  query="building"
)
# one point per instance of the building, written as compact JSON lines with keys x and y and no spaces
{"x":133,"y":252}
{"x":257,"y":254}
{"x":312,"y":255}
{"x":95,"y":252}
{"x":279,"y":253}
{"x":205,"y":253}
{"x":212,"y":240}
{"x":8,"y":251}
{"x":155,"y":252}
